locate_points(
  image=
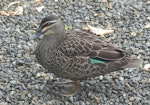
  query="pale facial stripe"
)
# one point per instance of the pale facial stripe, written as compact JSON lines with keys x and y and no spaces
{"x":48,"y":23}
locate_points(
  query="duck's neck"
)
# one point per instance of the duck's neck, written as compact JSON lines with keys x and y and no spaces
{"x":46,"y":49}
{"x":51,"y":41}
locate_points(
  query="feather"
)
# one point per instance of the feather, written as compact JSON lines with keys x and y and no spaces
{"x":133,"y":62}
{"x":97,"y":61}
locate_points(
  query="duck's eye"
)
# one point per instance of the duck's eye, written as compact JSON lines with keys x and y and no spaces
{"x":49,"y":23}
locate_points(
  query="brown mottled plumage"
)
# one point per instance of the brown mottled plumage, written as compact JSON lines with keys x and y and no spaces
{"x":69,"y":54}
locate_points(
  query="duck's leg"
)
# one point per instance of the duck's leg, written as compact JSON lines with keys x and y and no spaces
{"x":69,"y":88}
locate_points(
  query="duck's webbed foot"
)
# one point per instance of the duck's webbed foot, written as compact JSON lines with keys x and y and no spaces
{"x":69,"y":88}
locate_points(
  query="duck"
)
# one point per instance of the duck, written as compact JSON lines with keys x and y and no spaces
{"x":77,"y":55}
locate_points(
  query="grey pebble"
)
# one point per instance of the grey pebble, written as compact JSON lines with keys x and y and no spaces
{"x":82,"y":103}
{"x":1,"y":94}
{"x":3,"y":103}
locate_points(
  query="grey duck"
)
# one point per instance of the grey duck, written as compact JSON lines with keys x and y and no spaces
{"x":77,"y":55}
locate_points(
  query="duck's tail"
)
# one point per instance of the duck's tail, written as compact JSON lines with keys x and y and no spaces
{"x":134,"y":62}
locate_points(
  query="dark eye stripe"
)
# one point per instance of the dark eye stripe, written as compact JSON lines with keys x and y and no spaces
{"x":46,"y":24}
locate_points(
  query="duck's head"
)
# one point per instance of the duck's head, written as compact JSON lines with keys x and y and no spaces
{"x":50,"y":26}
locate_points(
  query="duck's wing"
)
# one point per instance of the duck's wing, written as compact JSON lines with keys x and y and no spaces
{"x":90,"y":57}
{"x":84,"y":45}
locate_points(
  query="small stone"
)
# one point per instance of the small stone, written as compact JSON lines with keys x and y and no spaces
{"x":42,"y":74}
{"x":132,"y":98}
{"x":82,"y":103}
{"x":127,"y":85}
{"x":100,"y":77}
{"x":1,"y":94}
{"x":20,"y":67}
{"x":26,"y":48}
{"x":1,"y":57}
{"x":19,"y":46}
{"x":133,"y":33}
{"x":71,"y":99}
{"x":92,"y":82}
{"x":43,"y":104}
{"x":121,"y":78}
{"x":22,"y":96}
{"x":95,"y":14}
{"x":29,"y":95}
{"x":38,"y":75}
{"x":3,"y":103}
{"x":13,"y":81}
{"x":130,"y":103}
{"x":8,"y":99}
{"x":96,"y":99}
{"x":146,"y":67}
{"x":88,"y":103}
{"x":36,"y":86}
{"x":19,"y":55}
{"x":35,"y":98}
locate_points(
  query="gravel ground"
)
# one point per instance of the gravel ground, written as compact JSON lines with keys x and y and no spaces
{"x":24,"y":82}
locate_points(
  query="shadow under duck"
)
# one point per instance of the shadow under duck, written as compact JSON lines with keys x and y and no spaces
{"x":77,"y":55}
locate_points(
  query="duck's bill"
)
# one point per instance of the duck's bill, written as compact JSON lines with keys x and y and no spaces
{"x":36,"y":35}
